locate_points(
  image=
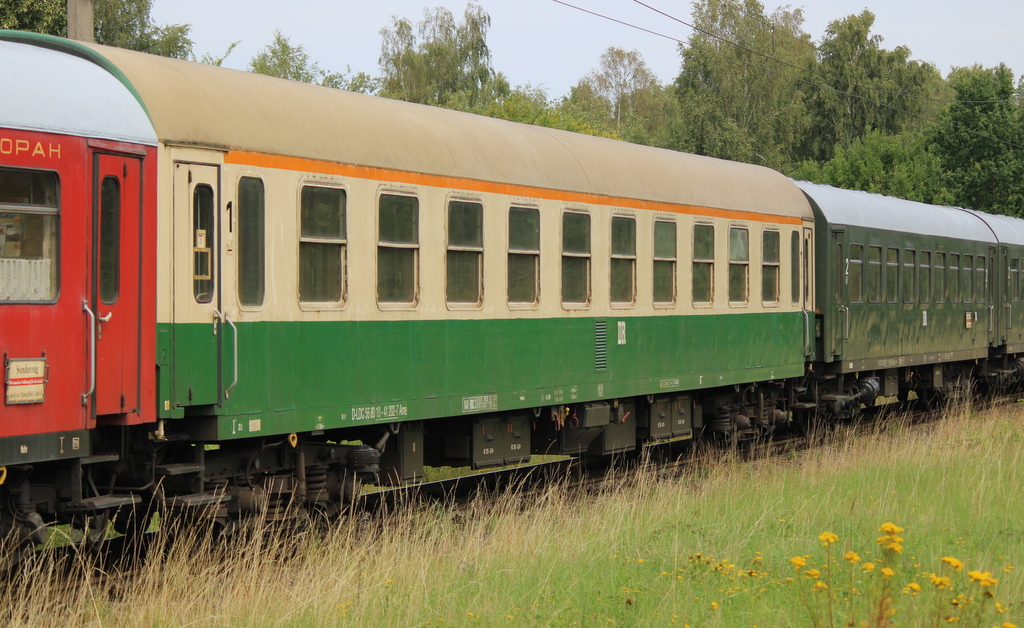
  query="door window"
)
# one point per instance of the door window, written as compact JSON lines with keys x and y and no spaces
{"x":202,"y":243}
{"x":110,"y":240}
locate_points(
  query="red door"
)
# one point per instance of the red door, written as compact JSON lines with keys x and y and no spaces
{"x":115,"y":293}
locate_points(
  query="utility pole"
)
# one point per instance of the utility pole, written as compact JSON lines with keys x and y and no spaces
{"x":80,"y":26}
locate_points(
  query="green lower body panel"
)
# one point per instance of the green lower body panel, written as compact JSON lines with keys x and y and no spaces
{"x":299,"y":377}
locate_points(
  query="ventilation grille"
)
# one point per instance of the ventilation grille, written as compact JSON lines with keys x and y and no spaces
{"x":600,"y":345}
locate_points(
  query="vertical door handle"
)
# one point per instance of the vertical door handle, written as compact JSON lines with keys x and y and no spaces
{"x":92,"y":352}
{"x":234,"y":334}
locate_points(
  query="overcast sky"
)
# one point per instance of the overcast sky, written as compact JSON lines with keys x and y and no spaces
{"x":550,"y":45}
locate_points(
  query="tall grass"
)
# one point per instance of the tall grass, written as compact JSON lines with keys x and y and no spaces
{"x":712,"y":547}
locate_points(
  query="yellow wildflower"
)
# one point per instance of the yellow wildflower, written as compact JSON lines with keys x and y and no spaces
{"x":943,"y":582}
{"x":888,"y":572}
{"x":890,"y":528}
{"x":714,"y":606}
{"x":1007,"y":624}
{"x":827,"y":538}
{"x":798,"y":562}
{"x":813,"y":573}
{"x":984,"y":579}
{"x":868,"y":567}
{"x":954,"y":563}
{"x":852,"y":557}
{"x":819,"y":586}
{"x":913,"y":588}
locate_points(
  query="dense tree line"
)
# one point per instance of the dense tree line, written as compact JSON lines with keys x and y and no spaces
{"x":752,"y":87}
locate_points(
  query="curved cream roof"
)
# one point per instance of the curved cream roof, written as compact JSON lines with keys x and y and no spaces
{"x":193,"y":103}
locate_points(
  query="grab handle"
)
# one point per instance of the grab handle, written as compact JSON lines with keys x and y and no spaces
{"x":92,"y":352}
{"x":234,"y":334}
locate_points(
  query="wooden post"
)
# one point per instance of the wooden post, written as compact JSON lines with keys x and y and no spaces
{"x":80,"y":25}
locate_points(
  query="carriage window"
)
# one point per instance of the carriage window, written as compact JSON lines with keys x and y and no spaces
{"x":398,"y":249}
{"x":1013,"y":279}
{"x":202,"y":243}
{"x":856,"y":273}
{"x":523,"y":254}
{"x":29,"y":219}
{"x":966,"y":287}
{"x":664,"y":262}
{"x":770,"y":267}
{"x":909,"y":270}
{"x":623,"y":262}
{"x":980,"y":279}
{"x":110,"y":240}
{"x":794,"y":255}
{"x":940,"y":277}
{"x":892,"y":276}
{"x":251,"y":243}
{"x":739,"y":266}
{"x":575,"y":258}
{"x":465,"y":262}
{"x":953,"y":277}
{"x":703,"y":263}
{"x":925,"y":276}
{"x":874,"y":278}
{"x":322,"y":245}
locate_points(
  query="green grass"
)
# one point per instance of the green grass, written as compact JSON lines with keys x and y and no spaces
{"x":710,"y":548}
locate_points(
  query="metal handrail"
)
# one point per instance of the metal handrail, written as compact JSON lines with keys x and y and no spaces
{"x":92,"y":351}
{"x":234,"y":334}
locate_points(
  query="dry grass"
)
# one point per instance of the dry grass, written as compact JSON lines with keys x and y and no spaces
{"x":709,"y":548}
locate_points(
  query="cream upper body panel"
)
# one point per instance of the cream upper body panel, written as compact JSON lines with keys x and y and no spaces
{"x":196,"y":104}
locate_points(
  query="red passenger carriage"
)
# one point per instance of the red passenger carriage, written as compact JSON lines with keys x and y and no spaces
{"x":77,"y":277}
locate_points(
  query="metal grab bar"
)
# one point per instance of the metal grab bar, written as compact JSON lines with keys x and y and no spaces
{"x":807,"y":333}
{"x":234,"y":334}
{"x":92,"y":352}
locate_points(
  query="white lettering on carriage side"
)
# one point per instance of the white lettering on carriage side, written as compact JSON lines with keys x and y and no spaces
{"x":480,"y":403}
{"x":376,"y":413}
{"x":622,"y":332}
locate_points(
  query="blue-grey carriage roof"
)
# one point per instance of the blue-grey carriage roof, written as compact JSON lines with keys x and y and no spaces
{"x":53,"y":91}
{"x":876,"y":211}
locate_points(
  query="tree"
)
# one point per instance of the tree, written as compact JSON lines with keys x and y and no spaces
{"x":120,"y":23}
{"x":623,"y":98}
{"x":980,"y":140}
{"x":448,"y":65}
{"x":282,"y":59}
{"x":40,"y":16}
{"x":619,"y":80}
{"x":896,"y":165}
{"x":739,"y":90}
{"x":127,"y":24}
{"x":209,"y":59}
{"x":861,"y":87}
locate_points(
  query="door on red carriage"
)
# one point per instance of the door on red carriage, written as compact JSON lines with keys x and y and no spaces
{"x":115,"y":293}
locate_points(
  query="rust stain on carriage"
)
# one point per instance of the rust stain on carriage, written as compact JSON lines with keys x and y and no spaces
{"x":301,"y":164}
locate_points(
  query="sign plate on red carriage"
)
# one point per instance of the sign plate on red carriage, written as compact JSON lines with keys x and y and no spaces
{"x":26,"y":380}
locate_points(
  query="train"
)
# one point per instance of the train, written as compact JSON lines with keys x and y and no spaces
{"x":235,"y":295}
